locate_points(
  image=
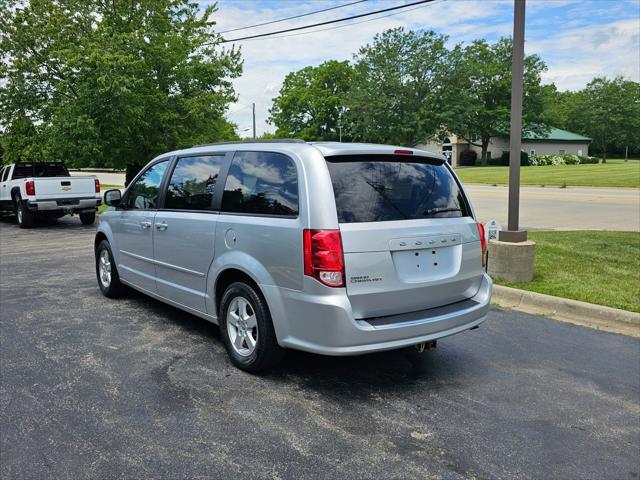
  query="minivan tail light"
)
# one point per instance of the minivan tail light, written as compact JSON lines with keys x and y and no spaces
{"x":97,"y":182}
{"x":323,"y":257}
{"x":30,"y":187}
{"x":483,"y":242}
{"x":403,"y":152}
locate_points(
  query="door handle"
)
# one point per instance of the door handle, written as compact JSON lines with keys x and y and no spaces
{"x":161,"y":226}
{"x":145,"y":224}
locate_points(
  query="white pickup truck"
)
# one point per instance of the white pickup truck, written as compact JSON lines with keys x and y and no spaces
{"x":46,"y":189}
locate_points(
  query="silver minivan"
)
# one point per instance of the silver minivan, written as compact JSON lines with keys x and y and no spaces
{"x":332,"y":248}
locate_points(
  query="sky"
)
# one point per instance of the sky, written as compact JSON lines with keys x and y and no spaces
{"x":577,"y":39}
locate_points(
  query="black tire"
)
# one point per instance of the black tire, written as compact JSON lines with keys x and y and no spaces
{"x":266,"y":353}
{"x":24,"y":217}
{"x":112,"y":288}
{"x":87,"y":218}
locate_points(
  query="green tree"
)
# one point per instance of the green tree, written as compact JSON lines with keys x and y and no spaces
{"x":401,"y":89}
{"x":608,"y":111}
{"x":557,"y":106}
{"x":21,"y":141}
{"x":311,"y":102}
{"x":115,"y":83}
{"x":482,"y":107}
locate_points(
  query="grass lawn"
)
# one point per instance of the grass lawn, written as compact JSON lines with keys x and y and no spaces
{"x":614,"y":173}
{"x":595,"y":267}
{"x":107,"y":186}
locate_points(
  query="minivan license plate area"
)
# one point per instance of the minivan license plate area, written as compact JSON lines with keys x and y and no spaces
{"x":437,"y":258}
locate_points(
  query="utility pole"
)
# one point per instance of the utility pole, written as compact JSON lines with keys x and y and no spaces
{"x":512,"y":256}
{"x":253,"y":106}
{"x":513,"y":233}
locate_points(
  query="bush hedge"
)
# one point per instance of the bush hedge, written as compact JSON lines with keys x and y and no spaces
{"x":504,"y":159}
{"x":568,"y":159}
{"x":468,"y":158}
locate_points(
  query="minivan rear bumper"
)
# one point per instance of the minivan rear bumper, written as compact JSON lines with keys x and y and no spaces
{"x":325,"y":324}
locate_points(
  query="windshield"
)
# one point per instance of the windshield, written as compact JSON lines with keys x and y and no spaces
{"x":377,"y":188}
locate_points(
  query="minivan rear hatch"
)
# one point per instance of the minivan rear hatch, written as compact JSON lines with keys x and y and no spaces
{"x":410,"y":241}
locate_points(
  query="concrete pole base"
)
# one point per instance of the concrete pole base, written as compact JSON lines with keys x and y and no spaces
{"x":512,"y":262}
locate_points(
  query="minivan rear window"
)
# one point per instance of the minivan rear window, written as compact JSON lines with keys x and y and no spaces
{"x":378,"y":188}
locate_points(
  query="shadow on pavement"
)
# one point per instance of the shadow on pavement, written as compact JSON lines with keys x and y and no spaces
{"x":346,"y":376}
{"x":67,"y":222}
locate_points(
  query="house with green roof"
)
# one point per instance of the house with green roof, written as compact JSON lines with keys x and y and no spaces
{"x":554,"y":141}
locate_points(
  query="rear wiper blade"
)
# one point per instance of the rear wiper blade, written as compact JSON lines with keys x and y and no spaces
{"x":380,"y":191}
{"x":441,"y":210}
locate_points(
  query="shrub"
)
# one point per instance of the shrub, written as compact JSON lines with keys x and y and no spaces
{"x":541,"y":160}
{"x":504,"y":159}
{"x":568,"y":159}
{"x":468,"y":158}
{"x":584,"y":160}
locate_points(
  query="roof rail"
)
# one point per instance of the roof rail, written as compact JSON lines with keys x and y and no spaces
{"x":240,"y":142}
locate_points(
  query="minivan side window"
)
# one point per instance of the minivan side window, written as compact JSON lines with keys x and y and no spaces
{"x":144,"y":193}
{"x":261,"y":183}
{"x":4,"y":173}
{"x":193,"y":183}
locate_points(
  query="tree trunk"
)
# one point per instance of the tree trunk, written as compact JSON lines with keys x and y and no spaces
{"x":131,"y":172}
{"x":626,"y":154}
{"x":485,"y":148}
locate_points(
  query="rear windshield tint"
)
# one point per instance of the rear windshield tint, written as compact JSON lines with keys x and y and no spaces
{"x":24,"y":170}
{"x":378,"y":188}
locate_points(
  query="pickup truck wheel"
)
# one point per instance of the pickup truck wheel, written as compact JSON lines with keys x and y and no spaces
{"x":87,"y":218}
{"x":247,"y":330}
{"x":106,"y":271}
{"x":23,"y":215}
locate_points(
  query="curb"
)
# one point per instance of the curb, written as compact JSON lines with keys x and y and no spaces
{"x":570,"y":311}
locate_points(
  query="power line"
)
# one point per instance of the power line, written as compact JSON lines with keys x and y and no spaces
{"x":291,"y":18}
{"x":238,"y":109}
{"x":355,"y":23}
{"x":328,"y":22}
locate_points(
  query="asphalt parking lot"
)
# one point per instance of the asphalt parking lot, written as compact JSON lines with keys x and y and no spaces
{"x":97,"y":388}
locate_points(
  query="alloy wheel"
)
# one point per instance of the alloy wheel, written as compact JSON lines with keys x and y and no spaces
{"x":104,"y":268}
{"x":242,"y":326}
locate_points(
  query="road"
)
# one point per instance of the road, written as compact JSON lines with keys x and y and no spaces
{"x":106,"y":178}
{"x":549,"y":208}
{"x":98,"y":388}
{"x":554,"y":208}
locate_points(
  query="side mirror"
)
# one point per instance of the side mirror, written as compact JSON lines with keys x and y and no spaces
{"x":113,"y":197}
